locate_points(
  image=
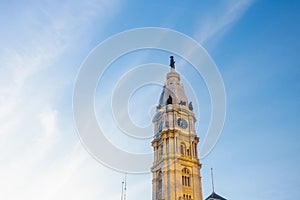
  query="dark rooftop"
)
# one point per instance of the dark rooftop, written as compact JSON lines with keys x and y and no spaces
{"x":215,"y":196}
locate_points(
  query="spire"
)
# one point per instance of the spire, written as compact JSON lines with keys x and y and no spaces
{"x":172,"y":62}
{"x":212,"y":179}
{"x":213,"y":196}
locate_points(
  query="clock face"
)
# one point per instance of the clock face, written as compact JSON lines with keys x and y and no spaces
{"x":182,"y":123}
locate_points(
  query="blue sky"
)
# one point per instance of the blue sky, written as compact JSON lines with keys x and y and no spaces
{"x":254,"y":43}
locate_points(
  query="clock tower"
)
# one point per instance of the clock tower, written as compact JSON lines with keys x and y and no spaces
{"x":176,"y":167}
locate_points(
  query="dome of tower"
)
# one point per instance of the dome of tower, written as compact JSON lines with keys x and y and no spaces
{"x":173,"y":91}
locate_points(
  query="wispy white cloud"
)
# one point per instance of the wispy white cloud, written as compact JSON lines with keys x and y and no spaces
{"x":39,"y":151}
{"x":216,"y":22}
{"x":35,"y":159}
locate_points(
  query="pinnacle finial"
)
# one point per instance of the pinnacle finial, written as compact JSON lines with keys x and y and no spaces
{"x":172,"y":62}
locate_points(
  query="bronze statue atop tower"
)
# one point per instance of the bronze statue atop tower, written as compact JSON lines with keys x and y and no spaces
{"x":172,"y":62}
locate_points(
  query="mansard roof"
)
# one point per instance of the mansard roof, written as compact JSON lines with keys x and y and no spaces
{"x":214,"y":196}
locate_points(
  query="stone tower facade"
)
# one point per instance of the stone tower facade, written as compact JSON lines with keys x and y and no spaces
{"x":176,"y":167}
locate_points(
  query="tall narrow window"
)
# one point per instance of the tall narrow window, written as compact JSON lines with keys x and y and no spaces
{"x":176,"y":147}
{"x":161,"y":151}
{"x":167,"y":141}
{"x":186,"y":179}
{"x":193,"y":149}
{"x":159,"y":185}
{"x":182,"y":148}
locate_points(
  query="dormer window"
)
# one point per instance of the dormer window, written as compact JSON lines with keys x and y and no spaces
{"x":169,"y":100}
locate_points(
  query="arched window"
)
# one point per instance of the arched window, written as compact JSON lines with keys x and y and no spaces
{"x":186,"y":196}
{"x":169,"y":100}
{"x":186,"y":179}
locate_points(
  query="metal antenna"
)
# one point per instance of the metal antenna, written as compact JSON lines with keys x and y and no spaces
{"x":122,"y":190}
{"x":212,"y":179}
{"x":125,"y":186}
